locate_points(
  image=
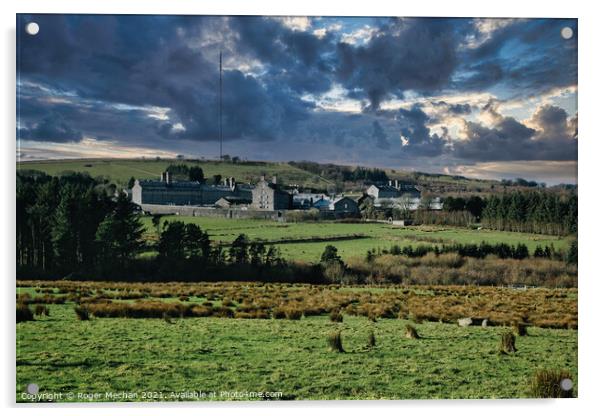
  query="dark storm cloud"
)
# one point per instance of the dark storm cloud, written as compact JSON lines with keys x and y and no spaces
{"x":97,"y":119}
{"x":555,"y":123}
{"x":404,"y":55}
{"x":554,"y":138}
{"x":52,"y":128}
{"x":250,"y":110}
{"x":546,"y":60}
{"x":296,"y":59}
{"x":379,"y":135}
{"x":143,"y":61}
{"x":455,"y":109}
{"x":153,"y":81}
{"x":420,"y":141}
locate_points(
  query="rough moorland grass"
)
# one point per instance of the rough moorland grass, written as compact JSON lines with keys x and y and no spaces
{"x":548,"y":384}
{"x":411,"y":332}
{"x":62,"y":354}
{"x":508,"y":343}
{"x":335,"y":342}
{"x":336,"y":316}
{"x":24,"y":313}
{"x":542,"y":307}
{"x":371,"y":339}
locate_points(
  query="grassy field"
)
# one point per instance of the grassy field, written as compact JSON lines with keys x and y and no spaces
{"x":121,"y":170}
{"x":370,"y":235}
{"x":62,"y":354}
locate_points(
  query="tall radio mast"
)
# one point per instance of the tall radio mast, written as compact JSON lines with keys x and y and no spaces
{"x":220,"y":107}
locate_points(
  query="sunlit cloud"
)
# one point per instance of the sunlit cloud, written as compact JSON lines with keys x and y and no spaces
{"x":87,"y":148}
{"x":300,"y":23}
{"x":550,"y":172}
{"x":360,"y":36}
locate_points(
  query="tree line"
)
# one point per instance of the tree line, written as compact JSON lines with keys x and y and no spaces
{"x":502,"y":250}
{"x":76,"y":226}
{"x":343,"y":173}
{"x":73,"y":222}
{"x":179,"y":241}
{"x":532,"y":212}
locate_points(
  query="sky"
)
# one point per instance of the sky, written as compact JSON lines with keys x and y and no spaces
{"x":478,"y":97}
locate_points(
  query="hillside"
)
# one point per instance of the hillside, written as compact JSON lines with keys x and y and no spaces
{"x":121,"y":170}
{"x":307,"y":174}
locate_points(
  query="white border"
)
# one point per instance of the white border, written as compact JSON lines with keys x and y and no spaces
{"x":589,"y":190}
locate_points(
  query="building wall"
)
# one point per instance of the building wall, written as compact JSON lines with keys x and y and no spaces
{"x":263,"y":196}
{"x":137,"y":193}
{"x":410,"y":194}
{"x":372,"y":191}
{"x":169,"y":196}
{"x":346,"y":206}
{"x":213,"y":212}
{"x":375,"y":192}
{"x":267,"y":198}
{"x":282,"y":200}
{"x":172,"y":194}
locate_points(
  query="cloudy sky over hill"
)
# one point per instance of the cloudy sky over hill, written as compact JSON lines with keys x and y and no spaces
{"x":478,"y":97}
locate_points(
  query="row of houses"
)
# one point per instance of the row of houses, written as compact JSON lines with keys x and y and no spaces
{"x":169,"y":192}
{"x":266,"y":196}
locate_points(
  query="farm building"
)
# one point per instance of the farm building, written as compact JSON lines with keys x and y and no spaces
{"x":233,"y":201}
{"x":322,"y":204}
{"x":306,"y":200}
{"x":344,"y":207}
{"x":270,"y":196}
{"x":407,"y":203}
{"x":169,"y":192}
{"x":404,"y":203}
{"x":393,"y":190}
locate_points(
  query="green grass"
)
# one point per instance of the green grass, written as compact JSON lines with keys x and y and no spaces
{"x":121,"y":170}
{"x":377,"y":235}
{"x":61,"y":354}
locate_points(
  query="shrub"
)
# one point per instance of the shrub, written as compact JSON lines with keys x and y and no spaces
{"x":223,"y":312}
{"x":23,"y":298}
{"x":293,"y":314}
{"x":41,"y":310}
{"x":330,"y":255}
{"x":412,"y":316}
{"x":411,"y":332}
{"x":200,"y":311}
{"x":507,"y":345}
{"x":334,"y":272}
{"x":335,"y":316}
{"x":24,"y":313}
{"x":139,"y":309}
{"x":82,"y":313}
{"x":278,"y":313}
{"x":520,"y":328}
{"x":371,"y":340}
{"x":334,"y":342}
{"x":547,"y":384}
{"x":256,"y":314}
{"x":166,"y":318}
{"x":227,"y":302}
